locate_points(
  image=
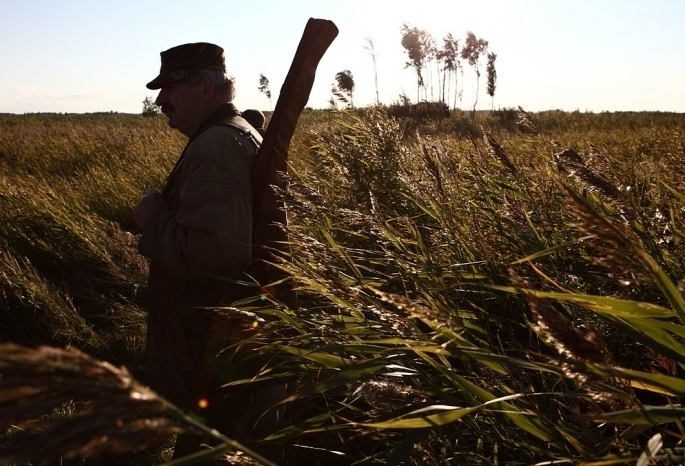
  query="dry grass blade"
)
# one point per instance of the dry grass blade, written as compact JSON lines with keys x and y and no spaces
{"x":618,"y":247}
{"x":570,"y":161}
{"x":497,"y":151}
{"x":525,"y":122}
{"x":560,"y":332}
{"x":121,"y":415}
{"x":88,"y":435}
{"x":578,"y":347}
{"x":620,"y":250}
{"x":431,"y":162}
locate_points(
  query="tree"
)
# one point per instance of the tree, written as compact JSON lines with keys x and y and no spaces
{"x":451,"y":65}
{"x":473,"y":49}
{"x":369,"y":47}
{"x":264,"y":88}
{"x":343,"y":89}
{"x":492,"y":76}
{"x":150,"y":108}
{"x":416,"y":44}
{"x":432,"y":55}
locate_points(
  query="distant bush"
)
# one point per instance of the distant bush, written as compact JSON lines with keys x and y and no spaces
{"x":419,"y":111}
{"x":506,"y":116}
{"x":150,"y":108}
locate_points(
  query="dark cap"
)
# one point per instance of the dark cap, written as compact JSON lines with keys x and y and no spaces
{"x":185,"y":60}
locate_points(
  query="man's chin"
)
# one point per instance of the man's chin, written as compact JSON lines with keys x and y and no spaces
{"x":170,"y":120}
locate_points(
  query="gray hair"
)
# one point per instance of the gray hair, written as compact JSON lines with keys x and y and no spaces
{"x":224,"y":84}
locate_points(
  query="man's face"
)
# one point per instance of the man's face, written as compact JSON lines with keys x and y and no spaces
{"x":182,"y":104}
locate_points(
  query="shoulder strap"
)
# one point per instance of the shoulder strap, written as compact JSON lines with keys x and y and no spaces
{"x":245,"y":130}
{"x":235,"y":122}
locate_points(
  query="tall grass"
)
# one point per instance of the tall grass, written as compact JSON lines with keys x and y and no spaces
{"x":497,"y":290}
{"x":71,"y":274}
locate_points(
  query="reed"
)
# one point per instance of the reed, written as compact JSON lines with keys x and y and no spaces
{"x":466,"y":295}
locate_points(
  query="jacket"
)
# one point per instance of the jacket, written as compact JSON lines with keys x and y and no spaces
{"x":206,"y":236}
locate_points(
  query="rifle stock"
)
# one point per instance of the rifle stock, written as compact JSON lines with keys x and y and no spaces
{"x":273,"y":154}
{"x":272,"y":159}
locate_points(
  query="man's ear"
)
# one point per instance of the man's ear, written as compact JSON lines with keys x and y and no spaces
{"x":208,"y":87}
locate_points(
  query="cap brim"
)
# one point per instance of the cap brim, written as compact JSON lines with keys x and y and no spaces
{"x":170,"y":77}
{"x":159,"y":81}
{"x":154,"y":85}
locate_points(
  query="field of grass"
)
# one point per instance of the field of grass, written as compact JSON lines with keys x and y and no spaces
{"x":497,"y":288}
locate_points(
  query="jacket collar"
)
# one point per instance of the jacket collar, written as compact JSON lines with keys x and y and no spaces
{"x":222,"y":113}
{"x":218,"y":116}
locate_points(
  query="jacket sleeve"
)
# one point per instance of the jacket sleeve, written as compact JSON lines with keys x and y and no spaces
{"x":211,"y":232}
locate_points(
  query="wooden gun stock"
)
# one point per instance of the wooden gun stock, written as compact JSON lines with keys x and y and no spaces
{"x":272,"y":159}
{"x":273,"y":155}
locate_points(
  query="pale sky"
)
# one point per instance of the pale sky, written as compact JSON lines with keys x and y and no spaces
{"x":82,"y":56}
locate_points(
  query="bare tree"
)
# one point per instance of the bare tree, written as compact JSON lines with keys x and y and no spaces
{"x":264,"y":88}
{"x":473,"y":49}
{"x":492,"y":76}
{"x":371,"y":50}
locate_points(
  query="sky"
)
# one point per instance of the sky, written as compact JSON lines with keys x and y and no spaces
{"x":81,"y":56}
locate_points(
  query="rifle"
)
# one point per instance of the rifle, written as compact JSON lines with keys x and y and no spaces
{"x":268,"y":211}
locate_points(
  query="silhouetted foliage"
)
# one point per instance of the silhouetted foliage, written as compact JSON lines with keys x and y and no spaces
{"x":473,"y":49}
{"x":433,"y":55}
{"x":264,"y":88}
{"x":451,"y":65}
{"x":420,"y":111}
{"x":492,"y":76}
{"x":417,"y":45}
{"x":343,"y":88}
{"x":150,"y":108}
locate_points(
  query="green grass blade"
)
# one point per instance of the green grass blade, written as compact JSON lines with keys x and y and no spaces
{"x":551,"y":250}
{"x":519,"y":418}
{"x":600,"y":304}
{"x":673,"y":385}
{"x":201,"y":456}
{"x":344,"y":377}
{"x":643,"y":415}
{"x":326,"y":360}
{"x":429,"y":421}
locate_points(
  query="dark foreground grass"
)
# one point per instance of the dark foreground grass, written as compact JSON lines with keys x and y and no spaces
{"x":501,"y":289}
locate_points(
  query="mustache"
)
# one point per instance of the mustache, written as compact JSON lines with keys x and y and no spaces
{"x":167,"y":108}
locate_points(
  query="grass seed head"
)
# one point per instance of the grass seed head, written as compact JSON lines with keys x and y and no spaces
{"x":387,"y":396}
{"x":525,"y":122}
{"x":120,"y":414}
{"x":497,"y":152}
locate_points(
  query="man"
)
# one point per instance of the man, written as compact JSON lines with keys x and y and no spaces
{"x":256,"y":119}
{"x":199,"y":228}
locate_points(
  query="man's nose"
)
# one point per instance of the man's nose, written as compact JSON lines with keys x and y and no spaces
{"x":161,"y":99}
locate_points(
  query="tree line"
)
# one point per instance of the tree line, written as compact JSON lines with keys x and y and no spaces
{"x":439,"y":69}
{"x":443,"y":64}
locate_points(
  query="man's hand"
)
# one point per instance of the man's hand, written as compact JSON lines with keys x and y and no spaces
{"x":152,"y":202}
